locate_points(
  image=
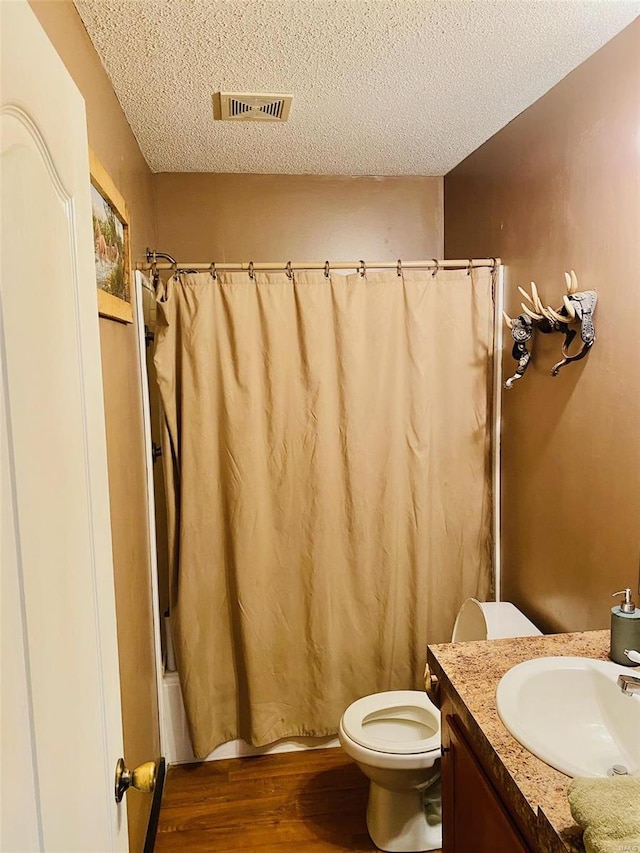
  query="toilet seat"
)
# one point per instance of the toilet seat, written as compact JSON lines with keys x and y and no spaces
{"x":399,"y":722}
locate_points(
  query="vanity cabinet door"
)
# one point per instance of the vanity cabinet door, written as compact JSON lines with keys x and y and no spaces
{"x":474,"y":818}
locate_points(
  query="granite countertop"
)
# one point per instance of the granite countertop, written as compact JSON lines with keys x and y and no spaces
{"x":470,"y":673}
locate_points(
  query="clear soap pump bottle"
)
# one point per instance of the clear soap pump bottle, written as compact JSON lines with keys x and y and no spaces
{"x":625,"y":628}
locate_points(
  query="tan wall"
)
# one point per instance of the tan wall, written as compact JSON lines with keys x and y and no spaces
{"x":204,"y":217}
{"x":559,"y":188}
{"x":113,"y":142}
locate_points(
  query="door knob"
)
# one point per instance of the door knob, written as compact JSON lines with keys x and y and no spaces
{"x":142,"y":778}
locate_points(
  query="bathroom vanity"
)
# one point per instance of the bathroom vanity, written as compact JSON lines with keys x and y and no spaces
{"x":496,"y":795}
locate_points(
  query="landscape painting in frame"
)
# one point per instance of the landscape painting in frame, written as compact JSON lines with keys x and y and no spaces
{"x":110,"y":245}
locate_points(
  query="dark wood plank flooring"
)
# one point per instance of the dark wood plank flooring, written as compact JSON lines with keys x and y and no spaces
{"x":292,"y":802}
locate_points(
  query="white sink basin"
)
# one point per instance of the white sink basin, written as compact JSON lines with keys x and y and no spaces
{"x":570,"y":713}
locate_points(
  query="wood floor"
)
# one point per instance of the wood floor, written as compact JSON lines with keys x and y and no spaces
{"x":293,"y":802}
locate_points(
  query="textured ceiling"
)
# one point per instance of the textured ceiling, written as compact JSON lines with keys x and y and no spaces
{"x":381,"y":87}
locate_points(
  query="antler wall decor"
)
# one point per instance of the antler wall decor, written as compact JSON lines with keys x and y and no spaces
{"x":577,"y":307}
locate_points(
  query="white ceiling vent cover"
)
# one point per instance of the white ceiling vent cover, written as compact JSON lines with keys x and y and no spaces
{"x":251,"y":106}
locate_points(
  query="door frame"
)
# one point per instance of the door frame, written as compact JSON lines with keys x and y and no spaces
{"x":139,"y":288}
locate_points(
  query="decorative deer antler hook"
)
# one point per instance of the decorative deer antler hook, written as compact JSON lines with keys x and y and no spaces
{"x":577,"y":307}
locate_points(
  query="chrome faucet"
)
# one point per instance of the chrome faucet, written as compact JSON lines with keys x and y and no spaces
{"x":629,"y":684}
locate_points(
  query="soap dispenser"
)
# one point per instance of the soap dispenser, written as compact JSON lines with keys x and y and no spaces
{"x":625,"y":628}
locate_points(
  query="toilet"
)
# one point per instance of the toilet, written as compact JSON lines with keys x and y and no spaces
{"x":394,"y":737}
{"x":491,"y":620}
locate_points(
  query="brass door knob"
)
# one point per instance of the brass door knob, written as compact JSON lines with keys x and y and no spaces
{"x":142,"y":778}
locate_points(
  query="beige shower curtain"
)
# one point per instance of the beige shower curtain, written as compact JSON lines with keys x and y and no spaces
{"x":327,"y":458}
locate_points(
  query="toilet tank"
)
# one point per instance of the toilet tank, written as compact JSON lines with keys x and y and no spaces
{"x":491,"y":620}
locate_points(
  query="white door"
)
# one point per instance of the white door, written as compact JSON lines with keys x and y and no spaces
{"x":61,"y":723}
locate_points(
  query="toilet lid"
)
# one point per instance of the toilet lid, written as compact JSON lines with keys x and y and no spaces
{"x":398,"y":721}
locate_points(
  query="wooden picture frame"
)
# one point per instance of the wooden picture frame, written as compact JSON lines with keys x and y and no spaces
{"x":111,"y":245}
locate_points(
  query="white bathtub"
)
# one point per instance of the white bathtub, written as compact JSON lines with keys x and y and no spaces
{"x":176,"y":743}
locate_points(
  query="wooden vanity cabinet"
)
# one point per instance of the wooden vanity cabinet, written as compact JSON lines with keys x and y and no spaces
{"x":473,"y":815}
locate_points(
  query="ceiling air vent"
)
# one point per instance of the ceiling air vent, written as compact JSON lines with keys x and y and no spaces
{"x":250,"y":106}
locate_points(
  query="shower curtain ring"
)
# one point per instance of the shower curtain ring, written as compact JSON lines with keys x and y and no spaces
{"x":175,"y":271}
{"x":399,"y":268}
{"x":289,"y":271}
{"x":436,"y":269}
{"x":212,"y":270}
{"x":469,"y":266}
{"x":362,"y":269}
{"x":327,"y":270}
{"x":252,"y":275}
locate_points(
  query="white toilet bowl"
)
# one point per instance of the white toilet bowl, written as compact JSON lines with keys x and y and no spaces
{"x":394,"y":737}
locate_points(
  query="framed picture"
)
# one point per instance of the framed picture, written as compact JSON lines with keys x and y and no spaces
{"x":110,"y":245}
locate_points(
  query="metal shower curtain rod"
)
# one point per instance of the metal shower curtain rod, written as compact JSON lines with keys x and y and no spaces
{"x":251,"y":267}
